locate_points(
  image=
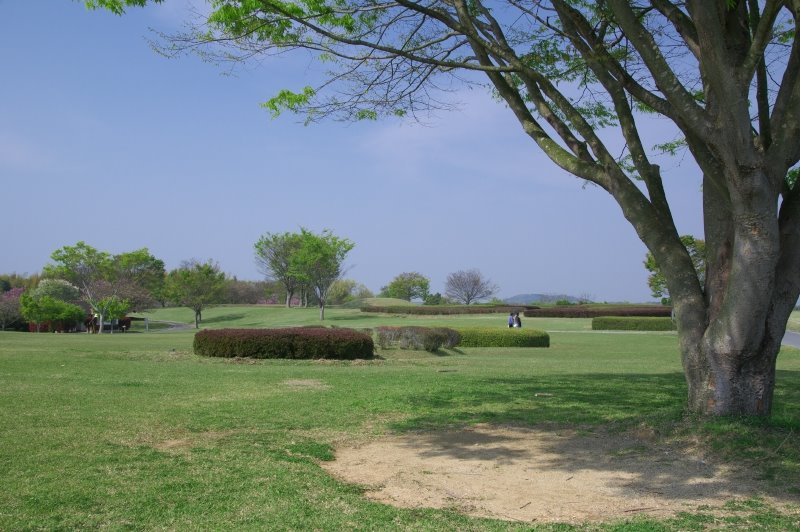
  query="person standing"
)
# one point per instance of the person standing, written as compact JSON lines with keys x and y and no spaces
{"x":511,"y":320}
{"x":517,"y":320}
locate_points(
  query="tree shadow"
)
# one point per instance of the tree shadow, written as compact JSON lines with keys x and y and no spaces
{"x":223,"y":318}
{"x":631,"y":427}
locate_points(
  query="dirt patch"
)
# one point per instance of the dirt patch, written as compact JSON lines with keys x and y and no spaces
{"x":305,"y":384}
{"x":543,"y":474}
{"x":190,"y":441}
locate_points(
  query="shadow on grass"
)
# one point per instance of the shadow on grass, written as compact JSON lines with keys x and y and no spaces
{"x":223,"y":318}
{"x":592,"y":408}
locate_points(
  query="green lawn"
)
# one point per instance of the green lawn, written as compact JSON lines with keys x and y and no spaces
{"x":134,"y":431}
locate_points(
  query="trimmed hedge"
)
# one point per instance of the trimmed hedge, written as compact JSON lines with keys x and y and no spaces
{"x":296,"y":343}
{"x":503,"y":337}
{"x":626,"y":323}
{"x":580,"y":311}
{"x":436,"y":310}
{"x":427,"y":338}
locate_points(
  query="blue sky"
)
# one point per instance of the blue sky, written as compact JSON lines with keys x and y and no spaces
{"x":105,"y":141}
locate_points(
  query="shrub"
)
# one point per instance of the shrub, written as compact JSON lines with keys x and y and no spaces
{"x":593,"y":311}
{"x":297,"y":343}
{"x":503,"y":337}
{"x":427,"y":338}
{"x":625,"y":323}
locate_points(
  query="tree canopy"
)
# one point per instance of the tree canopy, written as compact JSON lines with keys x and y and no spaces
{"x":197,"y":285}
{"x":408,"y":286}
{"x":578,"y":77}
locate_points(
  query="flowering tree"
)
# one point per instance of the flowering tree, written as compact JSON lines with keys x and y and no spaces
{"x":10,"y":307}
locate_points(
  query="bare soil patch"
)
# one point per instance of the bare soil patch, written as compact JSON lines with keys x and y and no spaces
{"x":545,"y":474}
{"x":305,"y":384}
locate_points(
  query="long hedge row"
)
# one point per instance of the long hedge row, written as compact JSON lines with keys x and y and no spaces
{"x":502,"y":337}
{"x":296,"y":343}
{"x":629,"y":323}
{"x":580,"y":311}
{"x":437,"y":310}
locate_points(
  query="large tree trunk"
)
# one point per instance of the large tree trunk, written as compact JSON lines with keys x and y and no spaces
{"x":725,"y":381}
{"x":730,"y":343}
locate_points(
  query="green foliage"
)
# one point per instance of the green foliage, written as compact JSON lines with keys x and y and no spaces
{"x":503,"y":337}
{"x":112,"y":307}
{"x":656,"y":280}
{"x":624,"y":323}
{"x":294,"y":343}
{"x":118,"y":6}
{"x":287,"y":100}
{"x":274,"y":255}
{"x":408,"y":286}
{"x":80,"y":265}
{"x":196,"y":285}
{"x":41,"y":309}
{"x":319,"y":261}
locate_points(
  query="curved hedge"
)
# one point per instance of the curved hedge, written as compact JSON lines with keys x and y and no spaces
{"x":623,"y":323}
{"x":580,"y":311}
{"x":503,"y":337}
{"x":436,"y":310}
{"x":296,"y":343}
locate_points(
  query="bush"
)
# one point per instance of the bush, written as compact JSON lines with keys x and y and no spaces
{"x":622,"y":323}
{"x":428,"y":338}
{"x":296,"y":343}
{"x":593,"y":311}
{"x":503,"y":337}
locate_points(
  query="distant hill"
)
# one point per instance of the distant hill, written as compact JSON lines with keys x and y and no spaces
{"x":524,"y":299}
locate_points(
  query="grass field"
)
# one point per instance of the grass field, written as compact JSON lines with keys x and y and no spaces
{"x":134,"y":431}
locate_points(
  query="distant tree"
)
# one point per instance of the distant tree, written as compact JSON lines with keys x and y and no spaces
{"x":196,"y":285}
{"x":346,"y":290}
{"x":113,"y":308}
{"x":81,"y":265}
{"x":469,"y":286}
{"x":139,"y":277}
{"x":362,"y":292}
{"x":408,"y":286}
{"x":57,"y":289}
{"x":656,"y":280}
{"x":42,"y":309}
{"x":341,"y":291}
{"x":319,"y":261}
{"x":434,"y":299}
{"x":136,"y":277}
{"x":10,"y":311}
{"x":238,"y":292}
{"x":273,"y":254}
{"x":15,"y":280}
